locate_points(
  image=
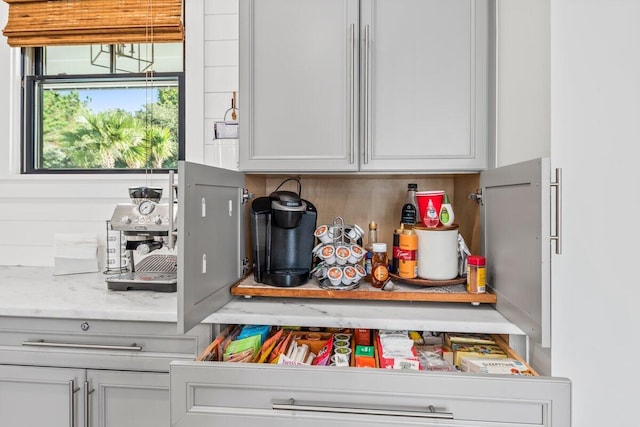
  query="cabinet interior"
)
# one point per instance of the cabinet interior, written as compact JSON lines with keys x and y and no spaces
{"x":358,"y":199}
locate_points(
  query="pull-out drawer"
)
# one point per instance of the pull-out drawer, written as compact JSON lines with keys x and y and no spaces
{"x":100,"y":344}
{"x":215,"y":393}
{"x":239,"y":394}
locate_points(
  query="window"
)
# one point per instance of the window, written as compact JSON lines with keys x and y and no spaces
{"x":103,"y":108}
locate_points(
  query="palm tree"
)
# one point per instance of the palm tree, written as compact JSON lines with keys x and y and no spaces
{"x":155,"y":147}
{"x":102,"y":138}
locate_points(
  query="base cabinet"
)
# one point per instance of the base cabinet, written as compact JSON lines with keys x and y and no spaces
{"x":35,"y":395}
{"x":39,"y":396}
{"x":90,"y":373}
{"x":128,"y":399}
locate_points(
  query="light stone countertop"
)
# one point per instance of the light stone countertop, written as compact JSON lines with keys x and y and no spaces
{"x":36,"y":292}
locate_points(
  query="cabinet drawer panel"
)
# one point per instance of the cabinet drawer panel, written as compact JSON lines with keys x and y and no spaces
{"x":119,"y":344}
{"x":216,"y":388}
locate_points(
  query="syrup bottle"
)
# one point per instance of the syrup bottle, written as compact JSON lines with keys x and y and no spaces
{"x":410,"y":208}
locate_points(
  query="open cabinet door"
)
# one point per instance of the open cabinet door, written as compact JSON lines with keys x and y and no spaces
{"x":210,"y":240}
{"x":515,"y":217}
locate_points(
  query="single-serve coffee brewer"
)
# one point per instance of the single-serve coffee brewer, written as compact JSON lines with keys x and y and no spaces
{"x":282,"y":227}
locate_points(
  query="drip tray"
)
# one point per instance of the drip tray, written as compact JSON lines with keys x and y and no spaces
{"x":153,"y":273}
{"x":150,"y":281}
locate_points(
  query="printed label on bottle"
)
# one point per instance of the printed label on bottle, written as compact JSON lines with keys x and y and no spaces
{"x":444,"y":215}
{"x":431,"y":216}
{"x":482,"y":280}
{"x":381,"y":273}
{"x":408,"y":214}
{"x":404,"y":254}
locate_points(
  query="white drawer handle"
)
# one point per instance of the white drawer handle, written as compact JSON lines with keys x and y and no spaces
{"x":428,"y":412}
{"x":42,"y":343}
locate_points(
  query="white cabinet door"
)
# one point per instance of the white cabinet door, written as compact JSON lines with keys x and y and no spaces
{"x":36,"y":396}
{"x":406,"y":78}
{"x":298,"y":85}
{"x":128,"y":399}
{"x":424,"y":85}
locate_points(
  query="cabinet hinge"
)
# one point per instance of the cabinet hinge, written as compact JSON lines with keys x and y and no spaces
{"x":246,"y":196}
{"x":245,"y":266}
{"x":477,"y":196}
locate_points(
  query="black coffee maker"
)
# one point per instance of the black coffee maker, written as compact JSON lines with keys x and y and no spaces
{"x":282,"y":227}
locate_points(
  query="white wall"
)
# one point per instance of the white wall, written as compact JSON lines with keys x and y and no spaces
{"x":33,"y":208}
{"x":221,"y":77}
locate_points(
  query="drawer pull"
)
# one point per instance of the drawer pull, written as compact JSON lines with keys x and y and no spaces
{"x":428,"y":412}
{"x":42,"y":343}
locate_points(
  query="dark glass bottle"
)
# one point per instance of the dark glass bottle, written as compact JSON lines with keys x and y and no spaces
{"x":410,"y":208}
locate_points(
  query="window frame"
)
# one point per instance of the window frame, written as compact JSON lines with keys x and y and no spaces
{"x":29,"y":127}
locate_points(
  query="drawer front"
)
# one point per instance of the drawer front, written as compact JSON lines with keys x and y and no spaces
{"x":98,"y":343}
{"x":350,"y":396}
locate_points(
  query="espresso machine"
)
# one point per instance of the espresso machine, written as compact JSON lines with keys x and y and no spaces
{"x":282,"y":227}
{"x":147,"y":226}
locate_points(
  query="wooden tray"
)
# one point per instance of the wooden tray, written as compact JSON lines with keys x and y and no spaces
{"x":248,"y":287}
{"x":427,"y":282}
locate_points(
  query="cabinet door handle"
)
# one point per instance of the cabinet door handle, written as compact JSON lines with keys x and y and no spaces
{"x":366,"y":93}
{"x":72,"y":403}
{"x":558,"y":236}
{"x":352,"y":93}
{"x":172,"y":233}
{"x":42,"y":343}
{"x":87,"y":405}
{"x":428,"y":412}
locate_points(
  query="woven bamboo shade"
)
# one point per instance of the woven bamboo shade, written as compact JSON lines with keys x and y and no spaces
{"x":66,"y":22}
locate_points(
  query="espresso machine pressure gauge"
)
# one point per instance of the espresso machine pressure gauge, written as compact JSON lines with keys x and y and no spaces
{"x":146,"y":207}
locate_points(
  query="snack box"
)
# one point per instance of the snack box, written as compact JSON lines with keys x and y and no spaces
{"x":365,"y":356}
{"x":485,"y":339}
{"x":495,"y":366}
{"x":412,"y":363}
{"x":478,"y":351}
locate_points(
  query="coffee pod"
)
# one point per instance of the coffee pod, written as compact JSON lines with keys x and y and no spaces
{"x":356,"y":254}
{"x":328,"y":254}
{"x":356,"y":232}
{"x":335,"y":275}
{"x":322,"y":233}
{"x":349,"y":275}
{"x":342,"y":254}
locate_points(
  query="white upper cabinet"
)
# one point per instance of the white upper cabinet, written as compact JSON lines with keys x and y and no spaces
{"x":424,"y":85}
{"x":375,"y":85}
{"x":298,"y":85}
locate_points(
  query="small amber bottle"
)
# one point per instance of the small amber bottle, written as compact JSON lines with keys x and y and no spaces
{"x":379,"y":265}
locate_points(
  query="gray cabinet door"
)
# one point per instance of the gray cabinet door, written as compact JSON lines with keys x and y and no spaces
{"x":298,"y":85}
{"x":128,"y":399}
{"x":242,"y":394}
{"x":424,"y":84}
{"x":211,"y":224}
{"x":515,"y":217}
{"x":36,"y":396}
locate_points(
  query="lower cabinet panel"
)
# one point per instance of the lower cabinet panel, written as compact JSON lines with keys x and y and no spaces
{"x":128,"y":399}
{"x":38,"y":396}
{"x":212,"y":393}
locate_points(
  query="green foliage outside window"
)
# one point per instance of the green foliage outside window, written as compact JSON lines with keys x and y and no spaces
{"x":75,"y":137}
